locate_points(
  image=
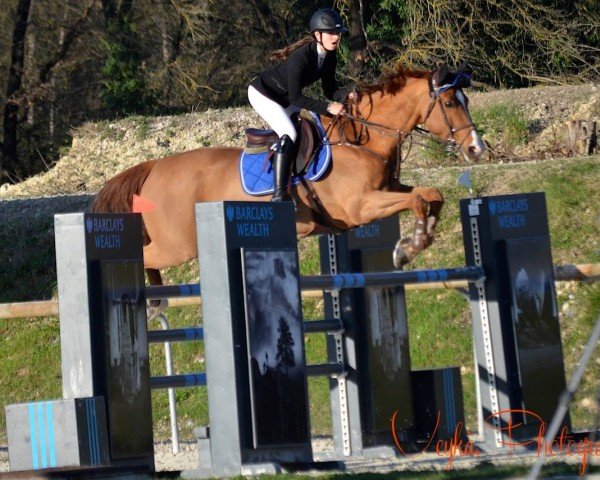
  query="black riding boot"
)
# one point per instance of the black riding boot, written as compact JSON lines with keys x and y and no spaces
{"x":282,"y":162}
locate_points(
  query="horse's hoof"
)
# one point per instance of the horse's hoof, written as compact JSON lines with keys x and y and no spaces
{"x":155,"y":308}
{"x":400,"y":257}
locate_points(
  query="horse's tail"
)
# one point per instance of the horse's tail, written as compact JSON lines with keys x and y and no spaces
{"x":116,"y":195}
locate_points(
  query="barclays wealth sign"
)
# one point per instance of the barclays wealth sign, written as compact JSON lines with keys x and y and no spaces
{"x":510,"y":213}
{"x":106,"y":232}
{"x":251,"y":220}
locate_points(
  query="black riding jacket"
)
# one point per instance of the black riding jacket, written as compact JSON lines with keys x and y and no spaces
{"x":284,"y":81}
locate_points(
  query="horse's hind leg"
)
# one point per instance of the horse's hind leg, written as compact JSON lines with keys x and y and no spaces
{"x":155,"y":307}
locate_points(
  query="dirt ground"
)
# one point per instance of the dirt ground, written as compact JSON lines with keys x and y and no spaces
{"x":187,"y":459}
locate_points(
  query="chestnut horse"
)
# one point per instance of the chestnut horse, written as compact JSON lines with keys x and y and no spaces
{"x":361,"y":185}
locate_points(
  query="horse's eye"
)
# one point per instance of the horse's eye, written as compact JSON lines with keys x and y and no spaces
{"x":449,"y":104}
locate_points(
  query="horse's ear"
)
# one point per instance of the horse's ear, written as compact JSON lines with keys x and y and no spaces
{"x":440,"y":75}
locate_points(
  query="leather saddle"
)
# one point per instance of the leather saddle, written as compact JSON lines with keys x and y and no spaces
{"x":259,"y":141}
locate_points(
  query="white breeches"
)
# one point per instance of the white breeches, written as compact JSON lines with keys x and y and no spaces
{"x":274,"y":114}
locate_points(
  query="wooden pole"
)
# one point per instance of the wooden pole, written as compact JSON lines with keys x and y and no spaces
{"x":589,"y":272}
{"x":581,"y":136}
{"x":43,"y":308}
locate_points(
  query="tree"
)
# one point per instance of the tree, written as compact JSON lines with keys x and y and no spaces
{"x":51,"y":34}
{"x":15,"y":77}
{"x":172,"y":30}
{"x":285,"y":347}
{"x":513,"y":43}
{"x":125,"y":90}
{"x":359,"y":55}
{"x":227,"y":43}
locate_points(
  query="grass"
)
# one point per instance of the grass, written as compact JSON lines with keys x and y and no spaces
{"x":143,"y":127}
{"x":432,"y":151}
{"x":484,"y":470}
{"x":502,"y":124}
{"x":439,"y":321}
{"x":16,"y":267}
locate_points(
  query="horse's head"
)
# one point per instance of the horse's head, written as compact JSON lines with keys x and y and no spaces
{"x":447,"y":112}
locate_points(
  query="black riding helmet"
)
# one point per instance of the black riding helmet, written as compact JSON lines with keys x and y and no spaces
{"x":327,"y":20}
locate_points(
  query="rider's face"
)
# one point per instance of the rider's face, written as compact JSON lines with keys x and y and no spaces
{"x":330,"y":41}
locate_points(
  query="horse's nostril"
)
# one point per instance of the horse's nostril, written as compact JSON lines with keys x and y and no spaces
{"x":474,"y":151}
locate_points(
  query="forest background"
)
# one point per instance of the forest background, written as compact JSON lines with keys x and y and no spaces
{"x":65,"y":63}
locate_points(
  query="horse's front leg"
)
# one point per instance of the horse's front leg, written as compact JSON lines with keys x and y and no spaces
{"x":379,"y":204}
{"x":407,"y":249}
{"x":436,"y":201}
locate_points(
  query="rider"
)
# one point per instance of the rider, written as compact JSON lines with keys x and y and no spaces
{"x":276,"y":93}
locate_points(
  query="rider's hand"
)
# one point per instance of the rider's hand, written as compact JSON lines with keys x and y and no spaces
{"x":336,"y":108}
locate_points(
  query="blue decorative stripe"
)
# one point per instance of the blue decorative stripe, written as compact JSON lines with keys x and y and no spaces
{"x":88,"y":420}
{"x":194,"y":333}
{"x":432,"y":275}
{"x":41,"y":433}
{"x":194,"y":379}
{"x":51,"y":439}
{"x":450,"y":400}
{"x":41,"y":424}
{"x":34,"y":438}
{"x":94,"y":432}
{"x":96,"y":435}
{"x":189,"y":289}
{"x":348,"y":280}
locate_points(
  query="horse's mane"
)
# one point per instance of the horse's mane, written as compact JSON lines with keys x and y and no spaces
{"x":394,"y":81}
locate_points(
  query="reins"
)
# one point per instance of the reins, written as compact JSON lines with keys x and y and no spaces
{"x":341,"y":121}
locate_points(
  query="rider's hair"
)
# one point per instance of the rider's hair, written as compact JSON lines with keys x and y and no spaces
{"x":283,"y":53}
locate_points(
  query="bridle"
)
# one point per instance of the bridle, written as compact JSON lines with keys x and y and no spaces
{"x":459,"y":81}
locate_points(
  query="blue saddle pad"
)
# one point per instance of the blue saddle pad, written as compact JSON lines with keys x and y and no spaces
{"x":256,"y":170}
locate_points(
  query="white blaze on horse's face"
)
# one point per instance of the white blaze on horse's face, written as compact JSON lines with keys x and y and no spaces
{"x":476,"y":147}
